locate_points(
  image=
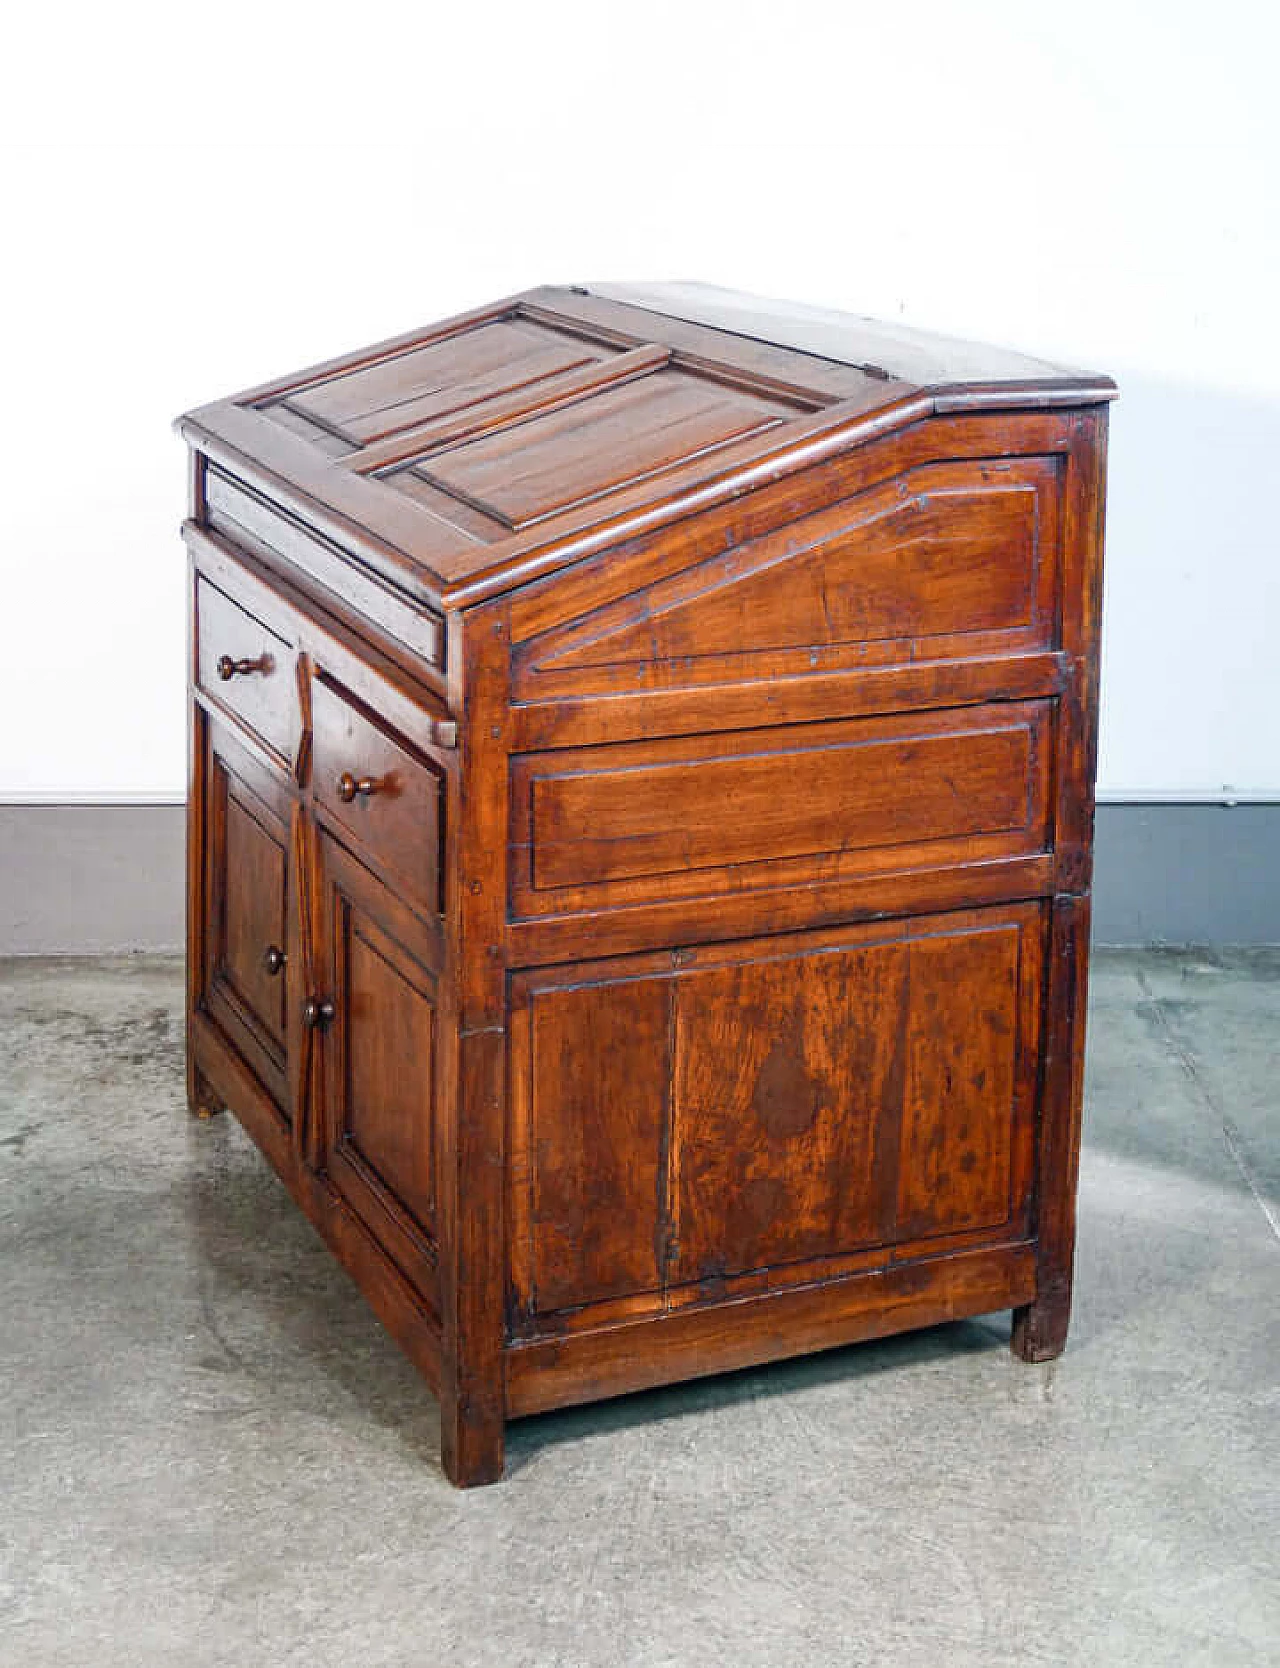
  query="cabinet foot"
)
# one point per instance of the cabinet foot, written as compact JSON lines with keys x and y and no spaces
{"x":203,"y":1099}
{"x":1040,"y":1328}
{"x":472,"y":1446}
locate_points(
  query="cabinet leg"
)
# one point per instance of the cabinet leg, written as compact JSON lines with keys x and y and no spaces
{"x":1040,"y":1328}
{"x":203,"y":1099}
{"x":472,"y":1443}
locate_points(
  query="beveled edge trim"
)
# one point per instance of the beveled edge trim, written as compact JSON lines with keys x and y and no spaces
{"x":593,"y":933}
{"x":309,"y":485}
{"x":694,"y":1342}
{"x":591,"y":720}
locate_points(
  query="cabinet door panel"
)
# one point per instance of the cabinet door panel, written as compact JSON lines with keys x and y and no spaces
{"x":390,"y":1060}
{"x":380,"y":1052}
{"x":770,"y":1111}
{"x":248,"y":930}
{"x":254,"y":917}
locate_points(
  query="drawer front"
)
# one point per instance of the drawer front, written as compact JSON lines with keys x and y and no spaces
{"x":387,"y":797}
{"x":246,"y":668}
{"x":698,"y":816}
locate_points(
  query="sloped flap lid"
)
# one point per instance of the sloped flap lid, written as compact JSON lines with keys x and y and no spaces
{"x":465,"y":446}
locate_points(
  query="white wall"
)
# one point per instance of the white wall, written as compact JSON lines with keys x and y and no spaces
{"x":197,"y":198}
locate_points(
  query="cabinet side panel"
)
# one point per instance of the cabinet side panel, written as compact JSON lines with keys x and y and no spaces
{"x":598,"y":1074}
{"x":692,"y":1125}
{"x":961,"y":1056}
{"x":788,"y":1090}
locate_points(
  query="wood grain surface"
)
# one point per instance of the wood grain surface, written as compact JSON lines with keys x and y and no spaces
{"x":640,"y":829}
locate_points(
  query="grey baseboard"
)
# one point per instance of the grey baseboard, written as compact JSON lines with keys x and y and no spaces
{"x":1187,"y":874}
{"x":80,"y":879}
{"x":83,"y":879}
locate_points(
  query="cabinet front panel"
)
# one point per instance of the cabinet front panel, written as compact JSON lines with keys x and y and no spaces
{"x":246,"y":668}
{"x":787,"y":1086}
{"x":380,"y":1060}
{"x":961,"y":1059}
{"x":757,"y":1112}
{"x":248,"y":935}
{"x":704,"y":815}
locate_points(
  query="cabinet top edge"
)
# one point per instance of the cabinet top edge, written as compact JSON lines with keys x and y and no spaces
{"x":903,"y":352}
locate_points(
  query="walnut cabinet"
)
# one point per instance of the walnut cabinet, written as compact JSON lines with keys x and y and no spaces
{"x":641,"y":804}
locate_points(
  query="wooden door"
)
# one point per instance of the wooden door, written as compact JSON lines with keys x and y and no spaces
{"x":374,"y":1015}
{"x":249,"y":951}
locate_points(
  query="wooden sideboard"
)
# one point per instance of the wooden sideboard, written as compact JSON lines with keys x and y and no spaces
{"x":641,"y":802}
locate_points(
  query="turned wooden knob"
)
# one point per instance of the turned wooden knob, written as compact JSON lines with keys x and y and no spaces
{"x":316,"y":1013}
{"x":228,"y":668}
{"x":273,"y":959}
{"x":349,"y":786}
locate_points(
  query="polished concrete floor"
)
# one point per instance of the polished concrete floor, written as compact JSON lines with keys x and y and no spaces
{"x":210,"y":1453}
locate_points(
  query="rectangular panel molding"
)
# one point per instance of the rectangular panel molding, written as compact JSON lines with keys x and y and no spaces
{"x":863,"y":796}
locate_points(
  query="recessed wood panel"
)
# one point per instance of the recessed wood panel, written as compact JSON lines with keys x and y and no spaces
{"x":961,"y":1057}
{"x":590,"y":1108}
{"x":443,"y":376}
{"x":247,"y":940}
{"x":597,"y":445}
{"x":787,"y":1086}
{"x":714,"y":813}
{"x":949,"y":559}
{"x":763,"y":1110}
{"x":388,"y":1109}
{"x":379,"y":1058}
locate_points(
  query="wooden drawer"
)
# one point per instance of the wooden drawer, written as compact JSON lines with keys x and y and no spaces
{"x":246,"y":668}
{"x":698,"y":816}
{"x":388,"y":798}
